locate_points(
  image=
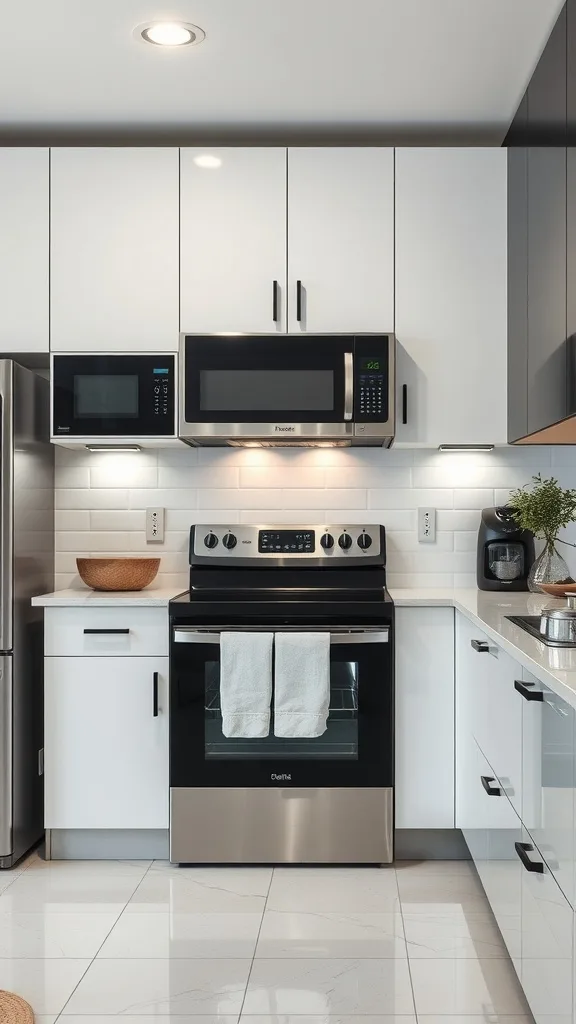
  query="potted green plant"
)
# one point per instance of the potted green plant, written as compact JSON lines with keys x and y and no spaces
{"x":544,"y":507}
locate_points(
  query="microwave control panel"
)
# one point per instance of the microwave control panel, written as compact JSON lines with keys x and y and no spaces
{"x":161,"y":391}
{"x":371,"y":380}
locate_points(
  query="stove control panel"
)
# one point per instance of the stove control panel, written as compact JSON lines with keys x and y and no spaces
{"x":318,"y":544}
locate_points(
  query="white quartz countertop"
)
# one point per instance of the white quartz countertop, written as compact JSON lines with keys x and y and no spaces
{"x":85,"y":598}
{"x":553,"y":666}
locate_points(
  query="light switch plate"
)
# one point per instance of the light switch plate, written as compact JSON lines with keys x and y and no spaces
{"x":154,"y":525}
{"x":426,"y":525}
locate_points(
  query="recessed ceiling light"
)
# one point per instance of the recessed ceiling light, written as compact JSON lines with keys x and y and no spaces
{"x":207,"y":160}
{"x":171,"y":33}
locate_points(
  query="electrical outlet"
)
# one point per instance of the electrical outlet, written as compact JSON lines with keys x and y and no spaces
{"x":426,"y":525}
{"x":154,"y":525}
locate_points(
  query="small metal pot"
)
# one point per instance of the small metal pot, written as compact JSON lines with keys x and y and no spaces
{"x":560,"y":623}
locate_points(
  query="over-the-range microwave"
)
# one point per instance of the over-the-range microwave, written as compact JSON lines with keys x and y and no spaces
{"x":299,"y":390}
{"x":101,"y":400}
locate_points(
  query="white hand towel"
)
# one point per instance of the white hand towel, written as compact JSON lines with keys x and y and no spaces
{"x":246,"y":683}
{"x":302,"y":684}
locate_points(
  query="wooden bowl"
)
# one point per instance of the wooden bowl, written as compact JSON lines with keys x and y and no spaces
{"x":558,"y":589}
{"x":117,"y":573}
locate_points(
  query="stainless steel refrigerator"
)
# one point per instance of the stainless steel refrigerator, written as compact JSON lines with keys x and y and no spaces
{"x":26,"y":570}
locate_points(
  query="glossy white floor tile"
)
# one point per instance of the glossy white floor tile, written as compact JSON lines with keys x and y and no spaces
{"x":329,"y":987}
{"x":166,"y":986}
{"x":45,"y":984}
{"x":99,"y":942}
{"x":357,"y":890}
{"x":457,"y":934}
{"x":51,"y":936}
{"x":202,"y":890}
{"x":156,"y":935}
{"x":466,"y":986}
{"x":321,"y":934}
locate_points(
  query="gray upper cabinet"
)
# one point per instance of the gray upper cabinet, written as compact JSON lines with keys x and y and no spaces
{"x":539,"y":199}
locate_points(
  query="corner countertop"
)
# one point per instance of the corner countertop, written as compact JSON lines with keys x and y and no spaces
{"x":85,"y":598}
{"x":553,"y":666}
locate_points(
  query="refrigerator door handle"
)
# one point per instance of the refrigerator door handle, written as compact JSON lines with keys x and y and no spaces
{"x":6,"y":505}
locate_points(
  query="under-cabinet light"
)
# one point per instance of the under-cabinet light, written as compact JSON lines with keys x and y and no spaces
{"x":113,"y":447}
{"x":465,"y":447}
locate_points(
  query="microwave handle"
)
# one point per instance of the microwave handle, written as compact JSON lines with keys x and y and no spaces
{"x":184,"y":635}
{"x":348,"y":385}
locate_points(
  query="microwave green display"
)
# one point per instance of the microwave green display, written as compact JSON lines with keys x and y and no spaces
{"x":370,"y":364}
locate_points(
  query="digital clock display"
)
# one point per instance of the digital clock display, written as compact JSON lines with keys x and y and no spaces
{"x":370,"y":364}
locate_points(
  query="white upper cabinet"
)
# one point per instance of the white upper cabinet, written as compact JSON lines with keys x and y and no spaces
{"x":233,"y":240}
{"x":24,"y":233}
{"x":341,"y":239}
{"x":114,"y":249}
{"x":451,"y":278}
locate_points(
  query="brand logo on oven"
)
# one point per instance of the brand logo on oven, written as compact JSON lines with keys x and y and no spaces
{"x":284,"y":430}
{"x":281,"y":778}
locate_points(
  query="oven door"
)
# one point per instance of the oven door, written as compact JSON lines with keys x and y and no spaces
{"x":266,"y":386}
{"x":356,"y":750}
{"x":113,"y":396}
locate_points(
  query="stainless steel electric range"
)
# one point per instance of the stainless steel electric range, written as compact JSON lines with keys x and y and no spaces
{"x":327,"y":799}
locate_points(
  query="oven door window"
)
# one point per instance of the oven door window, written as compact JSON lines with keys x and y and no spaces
{"x":355,"y":749}
{"x":338,"y":742}
{"x":265,"y":379}
{"x":113,"y":396}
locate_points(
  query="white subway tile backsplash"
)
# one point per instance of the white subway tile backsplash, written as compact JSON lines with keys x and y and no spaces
{"x":71,"y":519}
{"x":101,"y":499}
{"x":410,"y":498}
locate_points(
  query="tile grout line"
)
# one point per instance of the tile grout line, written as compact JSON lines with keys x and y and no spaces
{"x":406,"y":944}
{"x":256,"y":946}
{"x":80,"y":980}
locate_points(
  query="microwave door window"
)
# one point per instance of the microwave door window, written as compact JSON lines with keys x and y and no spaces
{"x":257,"y":391}
{"x":106,"y":396}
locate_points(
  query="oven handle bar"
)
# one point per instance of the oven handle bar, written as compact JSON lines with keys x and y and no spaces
{"x":188,"y":635}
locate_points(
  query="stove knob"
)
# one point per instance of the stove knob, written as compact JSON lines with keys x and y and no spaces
{"x":210,"y":540}
{"x":345,"y":541}
{"x":364,"y":541}
{"x":229,"y":541}
{"x":327,"y":541}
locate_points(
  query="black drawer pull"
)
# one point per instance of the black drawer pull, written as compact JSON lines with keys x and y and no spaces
{"x":299,"y":301}
{"x":527,"y":693}
{"x":404,"y":403}
{"x":92,"y":632}
{"x":481,"y":646}
{"x":275,"y":301}
{"x":523,"y":849}
{"x":491,"y":790}
{"x":155,"y":695}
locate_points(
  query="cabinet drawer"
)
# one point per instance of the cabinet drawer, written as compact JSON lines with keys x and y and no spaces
{"x":548,"y":779}
{"x":106,"y":632}
{"x":547,"y":936}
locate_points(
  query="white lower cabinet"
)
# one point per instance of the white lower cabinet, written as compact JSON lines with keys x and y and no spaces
{"x":547,"y":940}
{"x":424,"y":782}
{"x":106,"y":743}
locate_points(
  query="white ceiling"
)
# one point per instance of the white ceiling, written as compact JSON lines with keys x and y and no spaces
{"x":375,"y":64}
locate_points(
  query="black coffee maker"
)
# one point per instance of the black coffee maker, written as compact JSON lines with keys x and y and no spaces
{"x":505,"y":552}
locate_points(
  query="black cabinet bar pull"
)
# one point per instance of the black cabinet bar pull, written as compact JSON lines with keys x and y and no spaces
{"x":481,"y":646}
{"x":404,"y":403}
{"x":299,"y":301}
{"x":93,"y":632}
{"x":275,"y":301}
{"x":527,"y":693}
{"x":155,"y":697}
{"x":491,"y":790}
{"x":523,"y":849}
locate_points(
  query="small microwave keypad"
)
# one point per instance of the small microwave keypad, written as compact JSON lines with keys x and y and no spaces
{"x":160,"y":390}
{"x":371,"y":395}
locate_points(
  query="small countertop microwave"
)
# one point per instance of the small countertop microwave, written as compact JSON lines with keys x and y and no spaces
{"x":110,"y":400}
{"x":302,"y":390}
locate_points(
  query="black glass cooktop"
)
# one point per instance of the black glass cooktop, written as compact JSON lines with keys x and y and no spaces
{"x":531,"y":624}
